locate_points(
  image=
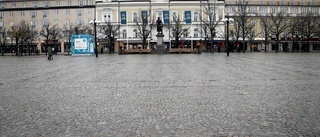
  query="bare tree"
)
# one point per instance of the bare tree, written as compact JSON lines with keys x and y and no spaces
{"x":67,"y":32}
{"x":278,"y":23}
{"x":244,"y":20}
{"x":293,"y":31}
{"x":45,"y":32}
{"x":16,"y":33}
{"x":307,"y":28}
{"x":177,"y":30}
{"x":236,"y":32}
{"x":55,"y":34}
{"x":110,"y":30}
{"x":210,"y":19}
{"x":4,"y":34}
{"x":265,"y":31}
{"x":144,"y":27}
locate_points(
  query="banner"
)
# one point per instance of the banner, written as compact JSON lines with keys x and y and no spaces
{"x":123,"y":17}
{"x":144,"y":16}
{"x":80,"y":43}
{"x":166,"y":17}
{"x":187,"y":16}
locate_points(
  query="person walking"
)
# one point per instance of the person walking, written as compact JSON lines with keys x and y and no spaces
{"x":49,"y":50}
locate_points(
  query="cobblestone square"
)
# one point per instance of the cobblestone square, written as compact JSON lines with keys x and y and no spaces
{"x":174,"y":95}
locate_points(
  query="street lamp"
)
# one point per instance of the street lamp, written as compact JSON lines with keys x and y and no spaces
{"x":94,"y":22}
{"x":227,"y":20}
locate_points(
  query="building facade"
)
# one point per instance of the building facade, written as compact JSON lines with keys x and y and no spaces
{"x":293,"y":9}
{"x":126,"y":13}
{"x":38,"y":13}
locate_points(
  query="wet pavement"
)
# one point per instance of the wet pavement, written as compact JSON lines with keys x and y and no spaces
{"x":175,"y":95}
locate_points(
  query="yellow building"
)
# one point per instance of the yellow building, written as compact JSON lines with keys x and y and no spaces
{"x":39,"y":13}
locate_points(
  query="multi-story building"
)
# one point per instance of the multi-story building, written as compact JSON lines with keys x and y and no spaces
{"x":39,"y":13}
{"x":263,"y":9}
{"x":125,"y":13}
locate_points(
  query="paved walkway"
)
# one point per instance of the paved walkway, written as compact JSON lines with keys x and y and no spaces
{"x":175,"y":95}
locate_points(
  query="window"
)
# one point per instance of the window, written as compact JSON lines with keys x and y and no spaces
{"x":3,"y":6}
{"x":68,"y":12}
{"x":251,"y":10}
{"x":1,"y":15}
{"x":89,"y":11}
{"x":174,"y":16}
{"x":91,"y":2}
{"x":79,"y":12}
{"x":292,"y":2}
{"x":261,"y":1}
{"x":230,"y":1}
{"x":24,"y":5}
{"x":1,"y":25}
{"x":69,"y":3}
{"x":294,"y":11}
{"x":47,"y":4}
{"x":33,"y":23}
{"x":45,"y":13}
{"x":282,"y":2}
{"x":231,"y":11}
{"x":33,"y":13}
{"x":263,"y":11}
{"x":272,"y":2}
{"x":253,"y":33}
{"x":56,"y":21}
{"x":11,"y":14}
{"x":58,"y":3}
{"x":45,"y":22}
{"x":302,"y":2}
{"x":81,"y":3}
{"x":135,"y":17}
{"x":195,"y":16}
{"x":196,"y":35}
{"x":312,"y":2}
{"x":160,"y":15}
{"x":11,"y":24}
{"x":56,"y":12}
{"x":35,"y":4}
{"x":124,"y":34}
{"x":273,"y":10}
{"x":79,"y":21}
{"x":314,"y":11}
{"x":13,"y":5}
{"x":284,"y":10}
{"x":304,"y":11}
{"x":68,"y":21}
{"x":135,"y":32}
{"x":22,"y":13}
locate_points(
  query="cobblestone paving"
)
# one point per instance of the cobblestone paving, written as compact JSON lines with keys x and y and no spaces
{"x":176,"y":95}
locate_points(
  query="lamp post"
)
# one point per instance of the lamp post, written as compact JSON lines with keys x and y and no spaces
{"x":94,"y":22}
{"x":227,"y":21}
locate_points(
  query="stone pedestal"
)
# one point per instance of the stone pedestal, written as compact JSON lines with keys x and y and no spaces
{"x":160,"y":48}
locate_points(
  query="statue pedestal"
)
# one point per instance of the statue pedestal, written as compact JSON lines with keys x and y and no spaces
{"x":160,"y":48}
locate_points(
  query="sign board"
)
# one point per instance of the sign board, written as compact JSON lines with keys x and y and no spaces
{"x":82,"y":44}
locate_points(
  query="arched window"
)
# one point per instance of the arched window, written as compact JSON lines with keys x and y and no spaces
{"x":124,"y":33}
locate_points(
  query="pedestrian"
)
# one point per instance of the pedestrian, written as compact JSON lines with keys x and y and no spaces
{"x":49,"y":50}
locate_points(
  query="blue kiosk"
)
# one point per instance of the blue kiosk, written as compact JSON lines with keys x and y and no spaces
{"x":82,"y":44}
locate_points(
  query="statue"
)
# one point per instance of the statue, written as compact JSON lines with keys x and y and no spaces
{"x":159,"y":25}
